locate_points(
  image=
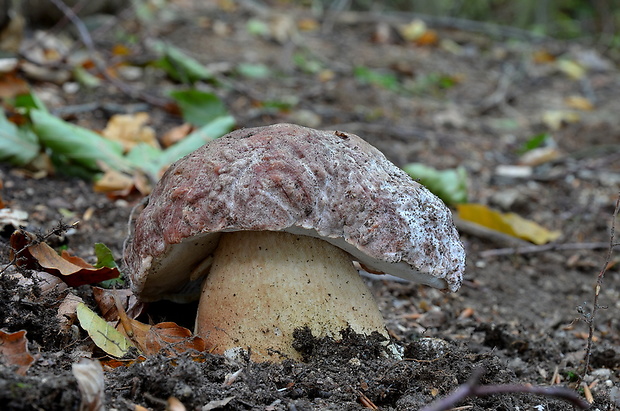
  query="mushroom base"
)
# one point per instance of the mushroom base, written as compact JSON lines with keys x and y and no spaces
{"x":264,"y":285}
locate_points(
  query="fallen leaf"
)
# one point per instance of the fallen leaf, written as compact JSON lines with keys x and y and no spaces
{"x":540,"y":155}
{"x":89,"y":377}
{"x":103,"y":335}
{"x":507,"y":223}
{"x":543,"y":56}
{"x":555,"y":119}
{"x":14,"y":350}
{"x":15,"y":218}
{"x":166,"y":337}
{"x":174,"y":404}
{"x":66,"y":314}
{"x":107,"y":306}
{"x":579,"y":103}
{"x":413,"y":30}
{"x":130,"y":130}
{"x":71,"y":269}
{"x":176,"y":134}
{"x":12,"y":85}
{"x":571,"y":68}
{"x":308,"y":24}
{"x":113,"y":181}
{"x":215,"y":404}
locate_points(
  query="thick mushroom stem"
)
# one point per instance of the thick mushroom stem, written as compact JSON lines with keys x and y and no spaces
{"x":264,"y":285}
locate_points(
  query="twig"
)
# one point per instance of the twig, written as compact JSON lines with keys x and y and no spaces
{"x":100,"y":66}
{"x":441,"y":22}
{"x":590,"y":317}
{"x":38,"y":239}
{"x":541,"y":249}
{"x":472,"y":389}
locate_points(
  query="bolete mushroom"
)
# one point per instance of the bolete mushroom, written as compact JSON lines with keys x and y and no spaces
{"x":270,"y":220}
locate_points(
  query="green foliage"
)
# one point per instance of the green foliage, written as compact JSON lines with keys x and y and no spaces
{"x":180,"y":66}
{"x":18,"y":145}
{"x":106,"y":259}
{"x":198,"y":107}
{"x":387,"y":80}
{"x":449,"y":185}
{"x":254,"y":71}
{"x":78,"y":151}
{"x":76,"y":145}
{"x":534,"y":142}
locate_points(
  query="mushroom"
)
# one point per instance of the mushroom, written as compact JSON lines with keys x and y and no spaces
{"x":268,"y":222}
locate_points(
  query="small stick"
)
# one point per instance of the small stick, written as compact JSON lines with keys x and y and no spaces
{"x":541,"y":249}
{"x":590,"y":317}
{"x":472,"y":389}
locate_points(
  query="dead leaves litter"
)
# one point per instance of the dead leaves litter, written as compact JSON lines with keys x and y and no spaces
{"x":14,"y":350}
{"x":74,"y":271}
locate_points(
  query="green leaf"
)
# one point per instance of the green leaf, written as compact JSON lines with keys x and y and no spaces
{"x":103,"y":335}
{"x":255,"y":71}
{"x":217,"y":128}
{"x":364,"y":75}
{"x":77,"y":144}
{"x":18,"y":145}
{"x":449,"y":185}
{"x":146,"y":158}
{"x":106,"y":259}
{"x":180,"y":66}
{"x":198,"y":107}
{"x":104,"y":256}
{"x":29,"y":101}
{"x":534,"y":142}
{"x":85,"y":78}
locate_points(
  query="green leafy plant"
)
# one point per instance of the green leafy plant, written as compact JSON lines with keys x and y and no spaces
{"x":534,"y":142}
{"x":387,"y":80}
{"x":77,"y":150}
{"x":449,"y":185}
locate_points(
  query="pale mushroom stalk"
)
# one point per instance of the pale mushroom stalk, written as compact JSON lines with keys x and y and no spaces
{"x":270,"y":220}
{"x":264,"y":285}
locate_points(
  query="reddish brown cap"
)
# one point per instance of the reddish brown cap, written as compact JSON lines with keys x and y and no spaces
{"x":325,"y":184}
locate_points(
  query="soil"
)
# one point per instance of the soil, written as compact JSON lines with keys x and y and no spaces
{"x":519,"y":316}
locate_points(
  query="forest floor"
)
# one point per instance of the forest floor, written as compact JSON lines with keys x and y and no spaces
{"x":470,"y":100}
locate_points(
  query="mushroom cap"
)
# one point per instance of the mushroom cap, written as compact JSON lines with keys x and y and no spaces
{"x":325,"y":184}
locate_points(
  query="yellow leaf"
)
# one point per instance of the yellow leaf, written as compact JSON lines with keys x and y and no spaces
{"x":413,"y":30}
{"x":529,"y":230}
{"x":554,"y":119}
{"x":571,"y":68}
{"x":508,"y":223}
{"x":103,"y":335}
{"x":130,"y":130}
{"x":579,"y":103}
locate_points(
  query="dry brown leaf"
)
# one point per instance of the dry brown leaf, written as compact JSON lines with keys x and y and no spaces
{"x":107,"y":306}
{"x":166,"y":337}
{"x":579,"y":103}
{"x":540,"y":155}
{"x":67,"y":314}
{"x":176,"y":134}
{"x":12,"y":85}
{"x":119,"y":185}
{"x":89,"y":377}
{"x":113,"y":180}
{"x":72,"y":270}
{"x":543,"y":57}
{"x":130,"y":130}
{"x":174,"y":404}
{"x":14,"y":350}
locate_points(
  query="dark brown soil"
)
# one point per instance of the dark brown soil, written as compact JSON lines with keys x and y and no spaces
{"x":517,"y":316}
